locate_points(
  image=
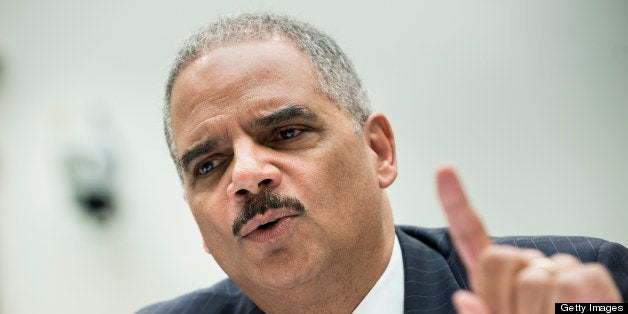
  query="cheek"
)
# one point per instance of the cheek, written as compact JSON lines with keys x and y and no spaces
{"x":213,"y":220}
{"x":343,"y":178}
{"x":350,"y":166}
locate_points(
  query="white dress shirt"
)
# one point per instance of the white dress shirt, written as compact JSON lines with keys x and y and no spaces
{"x":386,"y":296}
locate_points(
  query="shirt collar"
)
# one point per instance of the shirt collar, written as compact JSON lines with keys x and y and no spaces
{"x":387,"y":294}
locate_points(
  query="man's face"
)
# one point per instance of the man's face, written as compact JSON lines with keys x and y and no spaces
{"x":248,"y":117}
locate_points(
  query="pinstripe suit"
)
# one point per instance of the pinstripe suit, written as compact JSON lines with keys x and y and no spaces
{"x":433,"y":271}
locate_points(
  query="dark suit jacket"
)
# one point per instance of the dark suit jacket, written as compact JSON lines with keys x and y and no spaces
{"x":432,"y":270}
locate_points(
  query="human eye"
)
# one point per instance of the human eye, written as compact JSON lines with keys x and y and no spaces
{"x":206,"y":167}
{"x":289,"y":133}
{"x":289,"y":137}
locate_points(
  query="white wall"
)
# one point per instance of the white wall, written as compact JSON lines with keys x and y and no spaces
{"x":528,"y":98}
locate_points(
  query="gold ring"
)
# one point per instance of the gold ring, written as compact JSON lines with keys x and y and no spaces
{"x":545,"y":264}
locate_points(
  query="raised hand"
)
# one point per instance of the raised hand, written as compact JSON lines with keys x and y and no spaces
{"x":506,"y":279}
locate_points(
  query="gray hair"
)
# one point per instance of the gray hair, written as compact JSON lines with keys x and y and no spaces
{"x":335,"y":75}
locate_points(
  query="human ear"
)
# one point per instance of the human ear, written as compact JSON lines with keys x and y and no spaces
{"x":381,"y":140}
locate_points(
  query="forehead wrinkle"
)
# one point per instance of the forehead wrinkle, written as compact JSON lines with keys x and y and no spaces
{"x":236,"y":97}
{"x":212,"y":81}
{"x":249,"y":72}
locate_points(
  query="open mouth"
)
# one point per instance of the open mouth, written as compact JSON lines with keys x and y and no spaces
{"x":271,"y":231}
{"x":268,"y":225}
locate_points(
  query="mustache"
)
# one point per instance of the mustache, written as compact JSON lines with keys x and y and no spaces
{"x":262,"y":202}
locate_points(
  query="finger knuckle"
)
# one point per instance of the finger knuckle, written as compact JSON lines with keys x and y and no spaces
{"x":569,"y":284}
{"x":566,"y":289}
{"x":587,"y":282}
{"x":594,"y":270}
{"x":494,"y":257}
{"x":505,"y":257}
{"x":529,"y":280}
{"x":564,"y":260}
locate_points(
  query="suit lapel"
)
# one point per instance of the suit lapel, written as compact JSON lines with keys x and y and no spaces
{"x":430,"y":276}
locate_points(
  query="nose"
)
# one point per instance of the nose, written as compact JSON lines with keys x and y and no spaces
{"x":252,"y":170}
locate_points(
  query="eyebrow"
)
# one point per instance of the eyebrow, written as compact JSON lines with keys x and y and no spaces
{"x":284,"y":114}
{"x":281,"y":115}
{"x":198,"y":150}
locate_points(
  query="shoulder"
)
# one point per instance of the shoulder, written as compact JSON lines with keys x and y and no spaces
{"x":223,"y":297}
{"x":587,"y":249}
{"x":613,"y":256}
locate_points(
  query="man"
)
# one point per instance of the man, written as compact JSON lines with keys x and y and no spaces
{"x":284,"y":168}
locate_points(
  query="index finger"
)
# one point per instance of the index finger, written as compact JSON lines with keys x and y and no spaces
{"x":465,"y":226}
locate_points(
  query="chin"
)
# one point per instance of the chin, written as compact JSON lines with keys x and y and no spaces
{"x":287,"y":272}
{"x":288,"y":280}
